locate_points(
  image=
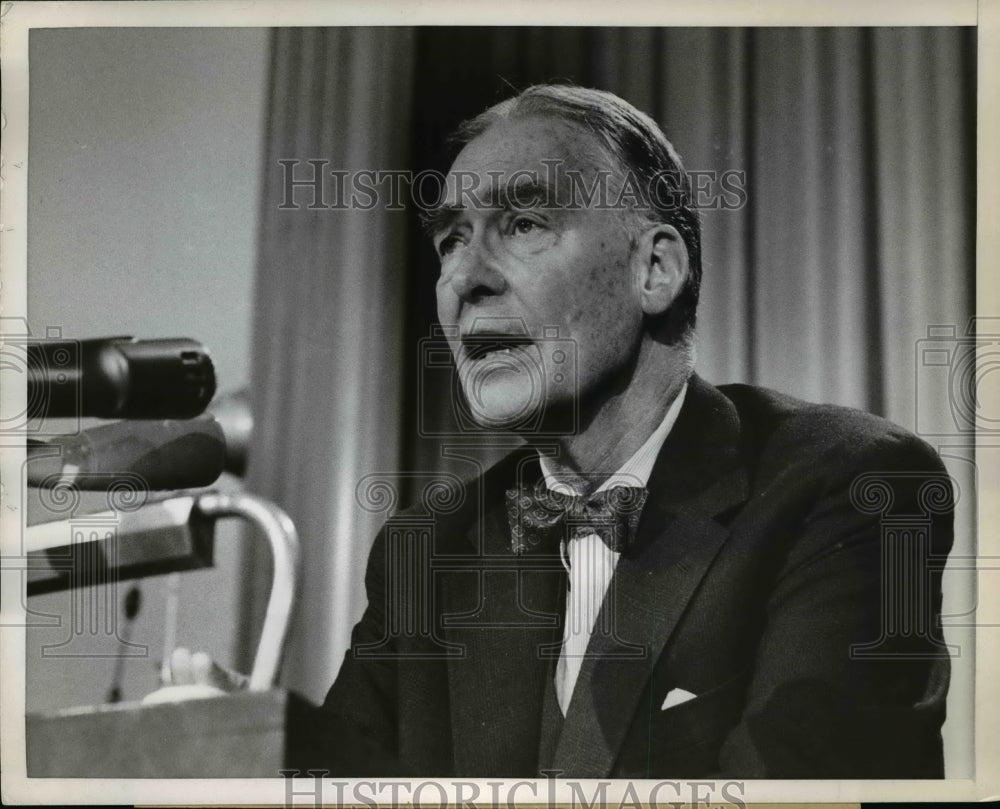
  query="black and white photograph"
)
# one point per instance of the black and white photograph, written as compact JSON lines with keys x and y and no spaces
{"x":592,"y":406}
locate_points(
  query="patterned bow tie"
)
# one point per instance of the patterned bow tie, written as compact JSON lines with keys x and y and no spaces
{"x":534,"y":514}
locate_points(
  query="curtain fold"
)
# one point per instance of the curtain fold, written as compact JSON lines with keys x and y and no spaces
{"x":328,"y":331}
{"x":923,"y":134}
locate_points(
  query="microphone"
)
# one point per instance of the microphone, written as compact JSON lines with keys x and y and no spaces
{"x":154,"y":455}
{"x":119,"y":378}
{"x":232,"y":411}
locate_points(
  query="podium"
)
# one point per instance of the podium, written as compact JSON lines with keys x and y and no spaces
{"x":241,"y":735}
{"x":253,"y":733}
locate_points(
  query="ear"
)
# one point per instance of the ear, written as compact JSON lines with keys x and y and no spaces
{"x":661,"y":264}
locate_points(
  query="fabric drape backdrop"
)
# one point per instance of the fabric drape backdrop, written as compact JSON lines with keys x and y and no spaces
{"x":856,"y":236}
{"x":330,"y":301}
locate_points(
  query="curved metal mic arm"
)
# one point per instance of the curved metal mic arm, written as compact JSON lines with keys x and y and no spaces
{"x":284,"y":543}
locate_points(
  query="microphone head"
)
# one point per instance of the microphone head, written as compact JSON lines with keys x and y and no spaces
{"x":119,"y":378}
{"x":166,"y":454}
{"x":232,"y":411}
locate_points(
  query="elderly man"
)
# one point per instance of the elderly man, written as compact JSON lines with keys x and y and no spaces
{"x":671,"y":579}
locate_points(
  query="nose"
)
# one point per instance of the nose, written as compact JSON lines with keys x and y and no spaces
{"x":475,"y":275}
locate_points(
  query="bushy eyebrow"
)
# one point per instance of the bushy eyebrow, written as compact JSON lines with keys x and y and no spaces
{"x":438,"y":219}
{"x":528,"y":194}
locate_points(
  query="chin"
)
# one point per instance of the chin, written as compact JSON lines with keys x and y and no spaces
{"x":522,"y":410}
{"x":504,"y":404}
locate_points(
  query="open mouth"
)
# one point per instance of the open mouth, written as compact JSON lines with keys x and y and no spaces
{"x":483,"y":345}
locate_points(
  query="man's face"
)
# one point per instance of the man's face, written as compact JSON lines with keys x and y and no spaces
{"x":531,"y":276}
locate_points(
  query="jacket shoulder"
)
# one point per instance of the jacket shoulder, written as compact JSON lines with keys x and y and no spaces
{"x":454,"y":503}
{"x":780,"y":429}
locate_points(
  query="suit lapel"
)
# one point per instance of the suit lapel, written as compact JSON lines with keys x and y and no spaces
{"x":648,"y":594}
{"x":502,"y":609}
{"x":698,"y":475}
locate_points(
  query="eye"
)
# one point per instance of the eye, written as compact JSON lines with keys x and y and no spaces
{"x":523,"y":226}
{"x":448,"y":244}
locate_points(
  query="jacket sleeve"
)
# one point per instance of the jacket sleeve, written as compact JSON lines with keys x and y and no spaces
{"x":354,"y":733}
{"x":851,"y":673}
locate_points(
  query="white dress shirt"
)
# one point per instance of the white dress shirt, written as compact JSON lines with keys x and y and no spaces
{"x":590,"y":563}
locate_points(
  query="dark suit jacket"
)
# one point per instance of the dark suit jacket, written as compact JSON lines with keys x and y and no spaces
{"x":786,"y":572}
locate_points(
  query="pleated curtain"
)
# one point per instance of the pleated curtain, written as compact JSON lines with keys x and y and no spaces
{"x":329,"y":302}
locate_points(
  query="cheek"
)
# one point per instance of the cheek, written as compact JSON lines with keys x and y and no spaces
{"x":607,"y":287}
{"x":446,"y":304}
{"x":607,"y":319}
{"x":602,"y":283}
{"x":611,"y":264}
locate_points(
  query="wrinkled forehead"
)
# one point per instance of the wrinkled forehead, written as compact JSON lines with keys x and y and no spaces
{"x":536,"y":160}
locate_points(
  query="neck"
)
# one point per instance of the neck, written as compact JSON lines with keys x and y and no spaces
{"x":622,"y":421}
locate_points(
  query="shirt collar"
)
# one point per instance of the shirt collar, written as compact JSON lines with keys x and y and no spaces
{"x":637,"y":469}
